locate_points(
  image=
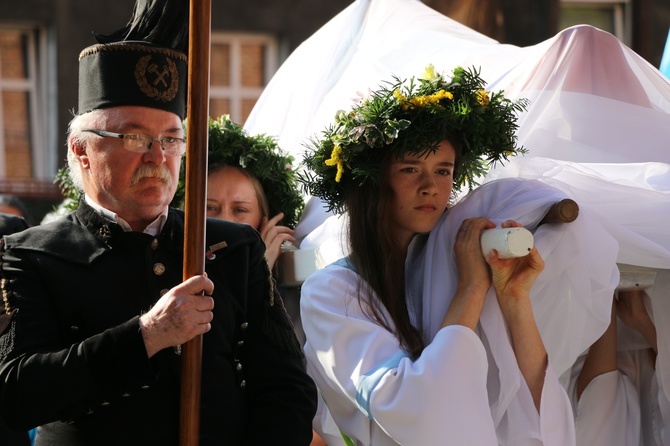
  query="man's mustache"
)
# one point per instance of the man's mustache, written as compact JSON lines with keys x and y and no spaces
{"x":160,"y":172}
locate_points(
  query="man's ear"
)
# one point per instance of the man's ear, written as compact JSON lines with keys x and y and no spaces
{"x":78,"y":148}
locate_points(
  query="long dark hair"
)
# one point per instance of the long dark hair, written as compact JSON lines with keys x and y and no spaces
{"x":378,"y":259}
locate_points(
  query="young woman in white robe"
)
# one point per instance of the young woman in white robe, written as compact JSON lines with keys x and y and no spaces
{"x":384,"y":377}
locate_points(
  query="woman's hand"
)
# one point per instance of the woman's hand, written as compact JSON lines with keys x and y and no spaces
{"x":273,"y":236}
{"x":513,"y":278}
{"x":632,"y":312}
{"x":472,"y":268}
{"x":474,"y":278}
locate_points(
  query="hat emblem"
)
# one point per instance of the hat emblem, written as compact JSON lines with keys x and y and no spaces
{"x":158,"y":81}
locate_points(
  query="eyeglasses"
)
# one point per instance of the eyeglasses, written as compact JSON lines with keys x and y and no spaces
{"x":142,"y":143}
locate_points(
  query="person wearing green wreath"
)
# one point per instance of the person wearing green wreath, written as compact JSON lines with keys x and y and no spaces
{"x":397,"y":361}
{"x":251,"y":180}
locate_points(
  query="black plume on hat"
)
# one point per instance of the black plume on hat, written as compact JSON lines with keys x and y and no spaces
{"x":160,"y":22}
{"x":143,"y":63}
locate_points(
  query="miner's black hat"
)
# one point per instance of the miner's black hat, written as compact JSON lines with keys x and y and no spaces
{"x":143,"y":64}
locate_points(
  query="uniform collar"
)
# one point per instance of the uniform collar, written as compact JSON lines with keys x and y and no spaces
{"x":153,"y":229}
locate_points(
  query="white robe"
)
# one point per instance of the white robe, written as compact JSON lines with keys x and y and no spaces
{"x":441,"y":395}
{"x":378,"y":396}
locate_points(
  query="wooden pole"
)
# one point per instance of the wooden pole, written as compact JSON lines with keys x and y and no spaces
{"x":197,"y":133}
{"x":564,"y":211}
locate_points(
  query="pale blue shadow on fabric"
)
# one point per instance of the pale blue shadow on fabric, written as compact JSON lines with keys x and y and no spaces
{"x":665,"y":60}
{"x":368,"y":382}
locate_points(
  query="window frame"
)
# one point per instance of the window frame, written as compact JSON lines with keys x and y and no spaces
{"x":236,"y":93}
{"x":41,"y":114}
{"x":623,"y":13}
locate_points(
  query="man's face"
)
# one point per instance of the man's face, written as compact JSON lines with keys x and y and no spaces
{"x":137,"y":186}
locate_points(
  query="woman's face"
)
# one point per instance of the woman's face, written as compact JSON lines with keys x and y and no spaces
{"x":231,"y":196}
{"x":421,"y":189}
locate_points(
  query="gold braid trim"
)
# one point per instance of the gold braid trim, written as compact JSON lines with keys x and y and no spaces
{"x":3,"y":281}
{"x":131,"y":47}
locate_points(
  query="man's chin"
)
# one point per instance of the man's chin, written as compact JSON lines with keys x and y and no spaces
{"x":153,"y":196}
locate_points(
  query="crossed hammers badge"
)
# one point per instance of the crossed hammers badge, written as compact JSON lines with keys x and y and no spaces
{"x":164,"y":82}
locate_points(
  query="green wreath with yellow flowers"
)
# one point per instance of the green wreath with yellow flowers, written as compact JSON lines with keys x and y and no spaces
{"x":412,"y":116}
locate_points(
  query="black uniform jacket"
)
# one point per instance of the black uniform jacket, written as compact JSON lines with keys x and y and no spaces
{"x":74,"y":361}
{"x":9,"y":224}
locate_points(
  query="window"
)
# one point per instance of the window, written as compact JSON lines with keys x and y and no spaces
{"x":241,"y":66}
{"x":613,"y":16}
{"x":27,"y":162}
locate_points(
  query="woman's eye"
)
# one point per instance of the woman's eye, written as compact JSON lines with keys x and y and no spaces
{"x":241,"y":210}
{"x":211,"y":208}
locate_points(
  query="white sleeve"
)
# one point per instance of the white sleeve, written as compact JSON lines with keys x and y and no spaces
{"x":608,"y":412}
{"x":521,"y":424}
{"x":373,"y":390}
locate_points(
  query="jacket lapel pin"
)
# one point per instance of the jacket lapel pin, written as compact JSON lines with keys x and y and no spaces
{"x":209,"y":255}
{"x":104,"y":233}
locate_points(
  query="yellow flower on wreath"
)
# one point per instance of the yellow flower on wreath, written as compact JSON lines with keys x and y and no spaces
{"x":430,"y":74}
{"x":399,"y":96}
{"x":336,"y":160}
{"x":432,"y":99}
{"x":421,"y":101}
{"x":483,"y":97}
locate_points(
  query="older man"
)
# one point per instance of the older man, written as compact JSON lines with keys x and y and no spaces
{"x":98,"y":308}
